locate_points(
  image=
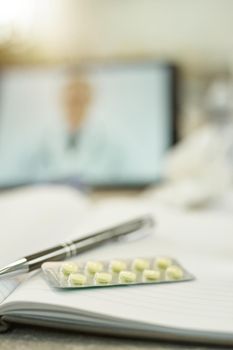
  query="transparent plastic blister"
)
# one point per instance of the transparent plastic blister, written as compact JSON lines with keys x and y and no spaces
{"x":115,"y":272}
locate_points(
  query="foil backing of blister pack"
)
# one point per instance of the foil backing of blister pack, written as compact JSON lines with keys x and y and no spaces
{"x":115,"y":272}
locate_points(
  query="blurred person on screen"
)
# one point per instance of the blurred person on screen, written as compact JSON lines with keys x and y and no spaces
{"x":77,"y":146}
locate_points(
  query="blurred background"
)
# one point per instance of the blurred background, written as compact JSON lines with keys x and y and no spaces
{"x":132,"y":94}
{"x":195,"y":36}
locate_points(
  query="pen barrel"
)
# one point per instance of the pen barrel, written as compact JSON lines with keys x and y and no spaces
{"x":72,"y":248}
{"x":114,"y":233}
{"x":110,"y":234}
{"x":53,"y":254}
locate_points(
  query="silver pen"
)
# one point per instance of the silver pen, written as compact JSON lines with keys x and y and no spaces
{"x":72,"y":248}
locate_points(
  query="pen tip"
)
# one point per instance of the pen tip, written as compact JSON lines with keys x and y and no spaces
{"x":13,"y":269}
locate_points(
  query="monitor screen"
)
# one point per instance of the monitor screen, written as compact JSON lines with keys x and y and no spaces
{"x":100,"y":124}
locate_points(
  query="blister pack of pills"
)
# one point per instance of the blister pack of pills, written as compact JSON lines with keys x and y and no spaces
{"x":115,"y":272}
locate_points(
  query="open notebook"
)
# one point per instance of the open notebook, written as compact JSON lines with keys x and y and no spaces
{"x":201,"y":310}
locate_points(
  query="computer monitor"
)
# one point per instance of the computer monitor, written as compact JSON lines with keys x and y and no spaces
{"x":105,"y":125}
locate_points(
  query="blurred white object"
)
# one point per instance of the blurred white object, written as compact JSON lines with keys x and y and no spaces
{"x":200,"y":168}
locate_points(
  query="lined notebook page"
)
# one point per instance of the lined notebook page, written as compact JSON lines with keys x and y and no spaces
{"x":199,"y":305}
{"x":201,"y":241}
{"x":7,"y":287}
{"x":33,"y":219}
{"x":205,"y":304}
{"x":36,"y":218}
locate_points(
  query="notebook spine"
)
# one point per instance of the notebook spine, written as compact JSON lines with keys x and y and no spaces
{"x":4,"y":325}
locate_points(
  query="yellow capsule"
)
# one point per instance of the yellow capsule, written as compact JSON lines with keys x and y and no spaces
{"x":68,"y":268}
{"x":140,"y":264}
{"x":162,"y":263}
{"x":174,"y":272}
{"x":94,"y":266}
{"x":103,"y":278}
{"x":151,"y":275}
{"x":77,"y":279}
{"x":127,"y":277}
{"x":117,"y":266}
